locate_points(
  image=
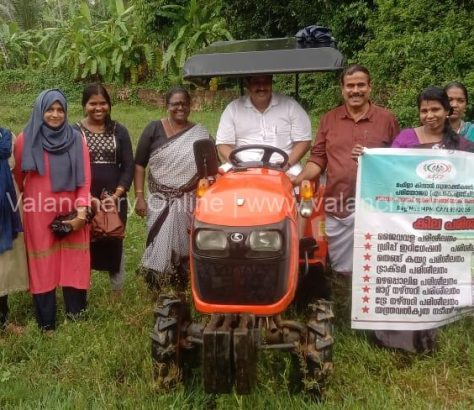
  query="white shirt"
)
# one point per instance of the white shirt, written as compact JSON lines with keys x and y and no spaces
{"x":283,"y":123}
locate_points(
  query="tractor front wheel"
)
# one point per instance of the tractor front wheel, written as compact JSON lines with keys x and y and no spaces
{"x":165,"y":346}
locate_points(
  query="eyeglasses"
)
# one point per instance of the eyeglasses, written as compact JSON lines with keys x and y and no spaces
{"x":178,"y":104}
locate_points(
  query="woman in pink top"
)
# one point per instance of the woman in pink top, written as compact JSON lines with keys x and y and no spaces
{"x":53,"y":172}
{"x":435,"y":132}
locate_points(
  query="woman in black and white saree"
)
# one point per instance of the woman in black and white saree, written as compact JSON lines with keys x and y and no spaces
{"x":166,"y":149}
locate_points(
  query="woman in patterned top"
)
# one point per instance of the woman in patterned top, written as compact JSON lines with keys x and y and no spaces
{"x":111,"y":158}
{"x":166,"y":148}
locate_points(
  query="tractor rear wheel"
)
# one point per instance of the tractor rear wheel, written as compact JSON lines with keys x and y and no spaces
{"x":319,"y":345}
{"x":311,"y":363}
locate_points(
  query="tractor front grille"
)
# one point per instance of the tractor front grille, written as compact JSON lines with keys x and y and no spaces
{"x":229,"y":282}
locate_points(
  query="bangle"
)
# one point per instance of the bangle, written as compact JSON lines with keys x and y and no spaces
{"x":137,"y":191}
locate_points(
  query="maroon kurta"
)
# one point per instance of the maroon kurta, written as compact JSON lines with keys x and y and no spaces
{"x":53,"y":262}
{"x":337,"y":135}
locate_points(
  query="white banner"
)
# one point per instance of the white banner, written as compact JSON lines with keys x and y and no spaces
{"x":414,"y":239}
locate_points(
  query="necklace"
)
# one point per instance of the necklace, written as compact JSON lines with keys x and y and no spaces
{"x":426,"y":139}
{"x":173,"y":128}
{"x":171,"y":125}
{"x":97,"y":129}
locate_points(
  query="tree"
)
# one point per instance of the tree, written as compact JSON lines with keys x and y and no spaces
{"x":198,"y":25}
{"x":110,"y":49}
{"x":182,"y":27}
{"x":14,"y":46}
{"x":158,"y":19}
{"x":7,"y":12}
{"x":266,"y":18}
{"x":416,"y":44}
{"x":26,"y":13}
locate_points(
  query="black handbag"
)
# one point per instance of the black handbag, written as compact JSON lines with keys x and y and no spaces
{"x":59,"y":228}
{"x":315,"y":36}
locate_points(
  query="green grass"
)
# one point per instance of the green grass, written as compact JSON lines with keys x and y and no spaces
{"x":16,"y":110}
{"x":103,"y":361}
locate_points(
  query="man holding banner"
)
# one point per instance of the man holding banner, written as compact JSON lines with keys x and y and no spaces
{"x":356,"y":122}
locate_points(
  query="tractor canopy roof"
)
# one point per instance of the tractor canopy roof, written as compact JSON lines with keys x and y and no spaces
{"x":240,"y":58}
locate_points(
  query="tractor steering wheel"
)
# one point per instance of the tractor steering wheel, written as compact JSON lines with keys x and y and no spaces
{"x":268,"y":151}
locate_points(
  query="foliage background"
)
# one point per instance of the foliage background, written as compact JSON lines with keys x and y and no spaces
{"x":104,"y":360}
{"x":407,"y":45}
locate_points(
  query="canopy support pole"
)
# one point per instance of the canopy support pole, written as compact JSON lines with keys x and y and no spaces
{"x":297,"y":87}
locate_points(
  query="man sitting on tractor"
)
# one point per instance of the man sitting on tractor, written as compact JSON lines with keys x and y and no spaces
{"x":264,"y":117}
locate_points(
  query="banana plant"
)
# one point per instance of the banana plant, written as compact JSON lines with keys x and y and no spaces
{"x":15,"y":46}
{"x":108,"y":49}
{"x":120,"y":39}
{"x":26,"y":13}
{"x":200,"y":23}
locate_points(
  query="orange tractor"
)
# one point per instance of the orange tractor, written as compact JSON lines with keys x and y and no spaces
{"x":257,"y":246}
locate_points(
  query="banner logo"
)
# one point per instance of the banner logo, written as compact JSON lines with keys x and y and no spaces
{"x":436,"y":170}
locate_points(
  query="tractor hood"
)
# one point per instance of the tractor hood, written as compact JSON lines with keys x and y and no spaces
{"x":247,"y":197}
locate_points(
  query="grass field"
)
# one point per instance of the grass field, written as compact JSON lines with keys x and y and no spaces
{"x":104,"y":360}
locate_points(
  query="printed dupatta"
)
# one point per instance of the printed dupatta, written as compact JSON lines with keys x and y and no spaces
{"x":172,"y":179}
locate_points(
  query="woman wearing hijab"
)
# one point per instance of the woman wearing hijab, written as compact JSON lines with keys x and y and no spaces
{"x":13,"y":268}
{"x":53,"y":172}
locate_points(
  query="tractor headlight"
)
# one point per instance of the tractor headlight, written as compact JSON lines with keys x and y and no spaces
{"x":265,"y":241}
{"x":207,"y":240}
